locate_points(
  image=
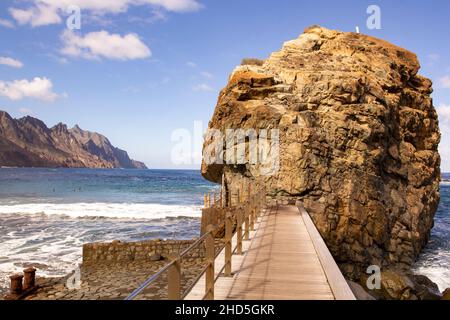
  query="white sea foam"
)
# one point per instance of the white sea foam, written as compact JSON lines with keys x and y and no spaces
{"x":107,"y":210}
{"x":438,"y":274}
{"x":36,"y":234}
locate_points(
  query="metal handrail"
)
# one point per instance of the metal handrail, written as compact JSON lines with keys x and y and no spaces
{"x":147,"y":282}
{"x":154,"y":277}
{"x":200,"y":240}
{"x":199,"y":276}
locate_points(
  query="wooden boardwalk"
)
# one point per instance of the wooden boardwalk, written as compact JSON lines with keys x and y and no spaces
{"x":284,"y":259}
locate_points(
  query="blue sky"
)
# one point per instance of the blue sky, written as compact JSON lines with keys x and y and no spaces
{"x":140,"y":69}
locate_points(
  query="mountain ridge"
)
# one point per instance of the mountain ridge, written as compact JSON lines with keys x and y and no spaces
{"x":28,"y":142}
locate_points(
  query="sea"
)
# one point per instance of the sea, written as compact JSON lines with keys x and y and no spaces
{"x":434,"y":260}
{"x":47,"y":214}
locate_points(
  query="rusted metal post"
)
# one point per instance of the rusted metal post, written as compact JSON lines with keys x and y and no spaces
{"x":239,"y":232}
{"x":29,"y":278}
{"x":16,"y":284}
{"x":210,"y":257}
{"x":174,"y":279}
{"x":228,"y":249}
{"x":205,"y":201}
{"x":246,"y":223}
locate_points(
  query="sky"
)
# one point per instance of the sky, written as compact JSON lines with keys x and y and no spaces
{"x":147,"y":72}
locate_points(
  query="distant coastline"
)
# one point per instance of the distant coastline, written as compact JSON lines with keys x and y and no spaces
{"x":28,"y":142}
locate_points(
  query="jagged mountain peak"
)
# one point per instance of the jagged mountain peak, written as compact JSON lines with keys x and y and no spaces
{"x":29,"y":142}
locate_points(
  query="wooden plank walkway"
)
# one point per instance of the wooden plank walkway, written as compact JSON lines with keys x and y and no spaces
{"x":284,"y":259}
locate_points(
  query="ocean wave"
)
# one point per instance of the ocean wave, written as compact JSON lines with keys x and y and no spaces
{"x":438,"y":274}
{"x":107,"y":210}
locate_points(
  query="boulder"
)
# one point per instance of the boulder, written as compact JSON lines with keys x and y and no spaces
{"x":397,"y":284}
{"x":359,"y":292}
{"x":354,"y":136}
{"x":446,"y":294}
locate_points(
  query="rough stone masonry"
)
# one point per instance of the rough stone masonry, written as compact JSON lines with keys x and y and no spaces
{"x":358,"y":141}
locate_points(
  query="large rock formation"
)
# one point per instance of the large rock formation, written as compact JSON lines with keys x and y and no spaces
{"x":358,"y":142}
{"x":28,"y":142}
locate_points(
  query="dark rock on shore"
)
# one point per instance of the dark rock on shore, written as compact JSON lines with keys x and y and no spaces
{"x":400,"y":285}
{"x":28,"y":142}
{"x":359,"y":292}
{"x":446,"y":294}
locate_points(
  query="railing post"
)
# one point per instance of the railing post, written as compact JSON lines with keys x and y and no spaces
{"x":228,"y":249}
{"x":210,"y":257}
{"x":174,"y":279}
{"x":205,"y":201}
{"x":252,"y":218}
{"x":246,"y":222}
{"x":214,"y":199}
{"x":222,"y":192}
{"x":239,"y":231}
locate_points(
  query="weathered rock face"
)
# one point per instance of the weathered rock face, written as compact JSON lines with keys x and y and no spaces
{"x":358,"y":142}
{"x":28,"y":142}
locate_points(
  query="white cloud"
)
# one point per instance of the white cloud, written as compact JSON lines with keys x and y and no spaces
{"x":39,"y":15}
{"x":445,"y":82}
{"x":101,"y":44}
{"x":203,"y":87}
{"x":165,"y":80}
{"x":443,"y":111}
{"x":444,"y":114}
{"x":45,"y":12}
{"x":38,"y":88}
{"x":7,"y":61}
{"x":434,"y":56}
{"x":191,"y":64}
{"x":206,"y":74}
{"x":6,"y":23}
{"x":27,"y":111}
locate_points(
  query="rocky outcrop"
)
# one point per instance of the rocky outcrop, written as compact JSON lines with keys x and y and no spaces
{"x":400,"y":285}
{"x":358,"y":142}
{"x":28,"y":142}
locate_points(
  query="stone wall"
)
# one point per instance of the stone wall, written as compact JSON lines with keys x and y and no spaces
{"x":116,"y":251}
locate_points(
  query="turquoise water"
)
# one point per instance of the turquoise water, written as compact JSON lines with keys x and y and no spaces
{"x":29,"y":185}
{"x":47,"y":214}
